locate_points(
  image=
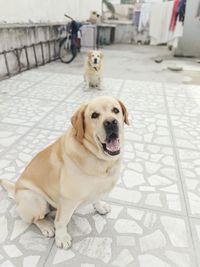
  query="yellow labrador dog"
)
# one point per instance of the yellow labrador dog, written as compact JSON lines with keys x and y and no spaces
{"x":78,"y":168}
{"x":93,"y":75}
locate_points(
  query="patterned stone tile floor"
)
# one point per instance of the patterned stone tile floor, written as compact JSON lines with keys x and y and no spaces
{"x":155,"y":218}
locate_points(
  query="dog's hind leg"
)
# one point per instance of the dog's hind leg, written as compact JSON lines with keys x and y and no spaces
{"x":33,"y":208}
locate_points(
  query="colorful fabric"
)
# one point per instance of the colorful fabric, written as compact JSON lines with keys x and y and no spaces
{"x":174,"y":15}
{"x":180,"y":13}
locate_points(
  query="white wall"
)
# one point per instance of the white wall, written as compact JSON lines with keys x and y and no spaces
{"x":24,"y":11}
{"x":189,"y":44}
{"x":123,"y":10}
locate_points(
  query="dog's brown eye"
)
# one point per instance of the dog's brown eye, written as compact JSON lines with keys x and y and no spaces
{"x":95,"y":115}
{"x":115,"y":110}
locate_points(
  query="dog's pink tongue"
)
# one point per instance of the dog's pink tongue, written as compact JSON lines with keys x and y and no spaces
{"x":113,"y":145}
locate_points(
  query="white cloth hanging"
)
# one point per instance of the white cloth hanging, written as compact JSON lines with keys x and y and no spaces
{"x":160,"y":18}
{"x":145,"y":11}
{"x":144,"y":16}
{"x":176,"y":35}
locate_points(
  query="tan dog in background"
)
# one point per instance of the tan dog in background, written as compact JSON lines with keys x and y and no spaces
{"x":93,"y":72}
{"x":79,"y":167}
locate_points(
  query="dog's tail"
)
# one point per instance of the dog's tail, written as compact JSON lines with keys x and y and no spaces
{"x":9,"y":186}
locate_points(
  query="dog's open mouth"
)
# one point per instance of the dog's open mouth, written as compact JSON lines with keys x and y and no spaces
{"x":112,"y":146}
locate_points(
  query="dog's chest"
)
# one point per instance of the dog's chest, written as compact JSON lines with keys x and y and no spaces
{"x":105,"y":184}
{"x":88,"y":187}
{"x":95,"y":77}
{"x":97,"y":186}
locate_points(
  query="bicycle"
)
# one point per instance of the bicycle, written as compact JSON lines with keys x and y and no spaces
{"x":68,"y":46}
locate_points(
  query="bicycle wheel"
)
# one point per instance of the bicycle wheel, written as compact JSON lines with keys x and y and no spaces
{"x":67,"y":51}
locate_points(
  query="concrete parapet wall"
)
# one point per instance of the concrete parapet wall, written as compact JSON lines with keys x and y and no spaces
{"x":19,"y":36}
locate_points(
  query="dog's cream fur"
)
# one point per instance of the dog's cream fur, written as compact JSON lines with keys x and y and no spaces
{"x":73,"y":170}
{"x":93,"y":70}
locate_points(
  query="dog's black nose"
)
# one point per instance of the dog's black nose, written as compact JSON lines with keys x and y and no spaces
{"x":111,"y":127}
{"x":95,"y":61}
{"x":110,"y":123}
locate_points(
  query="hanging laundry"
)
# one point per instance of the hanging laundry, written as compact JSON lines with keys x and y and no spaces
{"x":180,"y":14}
{"x":136,"y":14}
{"x":176,"y":24}
{"x":160,"y":19}
{"x":136,"y":18}
{"x":176,"y":35}
{"x":144,"y":16}
{"x":174,"y":16}
{"x":145,"y":12}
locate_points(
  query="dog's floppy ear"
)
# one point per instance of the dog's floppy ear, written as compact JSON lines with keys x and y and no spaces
{"x":124,"y":111}
{"x":101,"y":54}
{"x":78,"y":123}
{"x":89,"y":53}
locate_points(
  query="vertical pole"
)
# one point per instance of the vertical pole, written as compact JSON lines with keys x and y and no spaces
{"x":6,"y":62}
{"x":18,"y":59}
{"x":27,"y":59}
{"x":35,"y":56}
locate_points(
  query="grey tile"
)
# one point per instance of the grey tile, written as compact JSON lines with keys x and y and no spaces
{"x":143,"y":87}
{"x":32,"y":76}
{"x":59,"y":118}
{"x":129,"y":237}
{"x":144,"y":102}
{"x":148,"y":127}
{"x":175,"y":90}
{"x":184,"y":106}
{"x":190,"y":168}
{"x":183,"y":100}
{"x":110,"y":87}
{"x":193,"y":91}
{"x":195,"y":225}
{"x":24,"y":111}
{"x":182,"y":90}
{"x":9,"y":134}
{"x":67,"y":80}
{"x":186,"y":131}
{"x":149,"y":178}
{"x":13,"y":87}
{"x":48,"y":91}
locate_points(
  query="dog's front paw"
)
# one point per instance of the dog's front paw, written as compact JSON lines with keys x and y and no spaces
{"x":64,"y":241}
{"x":102,"y":207}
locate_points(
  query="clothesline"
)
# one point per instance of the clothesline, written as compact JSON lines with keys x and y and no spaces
{"x":166,"y":22}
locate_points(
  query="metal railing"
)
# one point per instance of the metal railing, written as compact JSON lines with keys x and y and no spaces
{"x":38,"y":61}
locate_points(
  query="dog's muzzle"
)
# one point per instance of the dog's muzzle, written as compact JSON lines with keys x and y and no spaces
{"x":111,"y":144}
